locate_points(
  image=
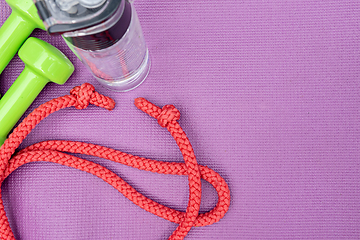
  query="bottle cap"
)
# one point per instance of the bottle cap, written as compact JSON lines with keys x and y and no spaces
{"x":61,"y":16}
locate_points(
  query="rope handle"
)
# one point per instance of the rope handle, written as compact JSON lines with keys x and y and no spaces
{"x":53,"y":151}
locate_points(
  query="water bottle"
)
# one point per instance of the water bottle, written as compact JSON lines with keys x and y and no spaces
{"x":105,"y":35}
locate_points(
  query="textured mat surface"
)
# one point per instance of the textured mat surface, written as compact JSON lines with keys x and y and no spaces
{"x":269,"y":97}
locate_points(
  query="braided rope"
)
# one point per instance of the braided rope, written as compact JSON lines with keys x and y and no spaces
{"x":52,"y":151}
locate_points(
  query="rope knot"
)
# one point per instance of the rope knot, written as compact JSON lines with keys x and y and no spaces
{"x":168,"y":114}
{"x":83,"y":95}
{"x":86,"y":94}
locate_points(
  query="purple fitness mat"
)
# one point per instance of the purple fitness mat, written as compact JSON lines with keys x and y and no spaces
{"x":269,"y":97}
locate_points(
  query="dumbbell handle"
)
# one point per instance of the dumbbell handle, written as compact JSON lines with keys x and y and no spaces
{"x":18,"y":98}
{"x":16,"y":29}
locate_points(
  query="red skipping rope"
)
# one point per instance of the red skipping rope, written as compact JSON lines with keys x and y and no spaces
{"x":52,"y":151}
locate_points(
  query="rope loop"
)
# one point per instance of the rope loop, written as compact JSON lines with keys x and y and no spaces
{"x":168,"y":114}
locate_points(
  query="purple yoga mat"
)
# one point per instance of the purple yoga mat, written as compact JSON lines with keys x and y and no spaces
{"x":269,"y":97}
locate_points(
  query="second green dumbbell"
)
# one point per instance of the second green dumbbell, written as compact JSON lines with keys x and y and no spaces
{"x":43,"y":63}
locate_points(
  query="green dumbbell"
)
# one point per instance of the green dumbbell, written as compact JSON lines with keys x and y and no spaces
{"x":43,"y":63}
{"x":17,"y":28}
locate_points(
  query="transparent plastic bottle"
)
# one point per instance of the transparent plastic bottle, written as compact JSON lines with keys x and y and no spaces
{"x":112,"y":47}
